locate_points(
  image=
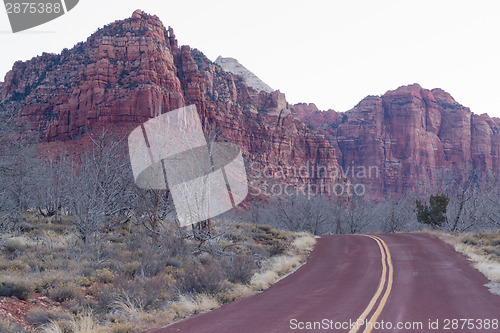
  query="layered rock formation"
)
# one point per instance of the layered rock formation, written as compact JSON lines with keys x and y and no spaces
{"x":133,"y":70}
{"x":411,"y":136}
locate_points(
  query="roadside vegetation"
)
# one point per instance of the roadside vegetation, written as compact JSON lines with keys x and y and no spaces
{"x":464,"y":208}
{"x":481,"y":248}
{"x":142,"y":280}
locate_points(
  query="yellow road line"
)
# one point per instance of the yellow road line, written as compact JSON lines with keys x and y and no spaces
{"x":381,"y":306}
{"x":382,"y":246}
{"x":374,"y":299}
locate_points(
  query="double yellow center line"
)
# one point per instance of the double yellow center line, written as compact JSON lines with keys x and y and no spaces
{"x":387,"y":276}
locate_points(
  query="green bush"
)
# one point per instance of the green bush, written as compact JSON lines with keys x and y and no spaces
{"x":433,"y":214}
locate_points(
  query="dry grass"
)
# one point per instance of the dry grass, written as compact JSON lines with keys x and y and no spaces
{"x":142,"y":284}
{"x":273,"y":269}
{"x":129,"y":310}
{"x":84,"y":323}
{"x":239,"y":291}
{"x":477,"y":248}
{"x":263,"y":280}
{"x":188,"y":305}
{"x":52,"y":327}
{"x":304,"y":242}
{"x":136,"y":319}
{"x":283,"y":264}
{"x":278,"y":266}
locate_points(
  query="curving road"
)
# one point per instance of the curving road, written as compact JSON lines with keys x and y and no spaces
{"x":365,"y":283}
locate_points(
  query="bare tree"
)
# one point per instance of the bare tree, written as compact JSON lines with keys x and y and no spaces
{"x":392,"y":216}
{"x":97,"y":191}
{"x":338,"y":212}
{"x":474,"y":199}
{"x":356,"y":214}
{"x":302,"y":213}
{"x":151,"y":209}
{"x":52,"y":175}
{"x":17,"y":161}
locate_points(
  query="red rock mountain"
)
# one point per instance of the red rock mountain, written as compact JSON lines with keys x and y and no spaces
{"x":133,"y":70}
{"x":411,"y":135}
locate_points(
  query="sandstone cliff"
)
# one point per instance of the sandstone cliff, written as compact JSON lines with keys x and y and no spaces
{"x":133,"y":70}
{"x":411,"y":136}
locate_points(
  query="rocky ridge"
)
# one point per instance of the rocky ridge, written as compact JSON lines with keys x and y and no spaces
{"x":412,"y":136}
{"x":133,"y":70}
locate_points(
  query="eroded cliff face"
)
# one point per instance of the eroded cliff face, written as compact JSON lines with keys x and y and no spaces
{"x":411,"y":136}
{"x":133,"y":70}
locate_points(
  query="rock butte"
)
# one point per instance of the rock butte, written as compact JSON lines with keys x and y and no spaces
{"x":411,"y":135}
{"x":133,"y":70}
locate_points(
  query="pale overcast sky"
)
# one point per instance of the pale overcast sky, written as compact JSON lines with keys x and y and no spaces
{"x":332,"y":53}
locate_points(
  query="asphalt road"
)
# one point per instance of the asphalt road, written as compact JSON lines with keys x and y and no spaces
{"x":408,"y":283}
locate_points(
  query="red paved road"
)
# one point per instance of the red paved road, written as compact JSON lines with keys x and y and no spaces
{"x":430,"y":281}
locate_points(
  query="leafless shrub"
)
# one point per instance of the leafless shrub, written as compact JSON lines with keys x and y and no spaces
{"x":15,"y":244}
{"x":239,"y":269}
{"x":66,"y":291}
{"x":39,"y":317}
{"x":15,"y":286}
{"x":7,"y":326}
{"x":146,"y":292}
{"x":201,"y":278}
